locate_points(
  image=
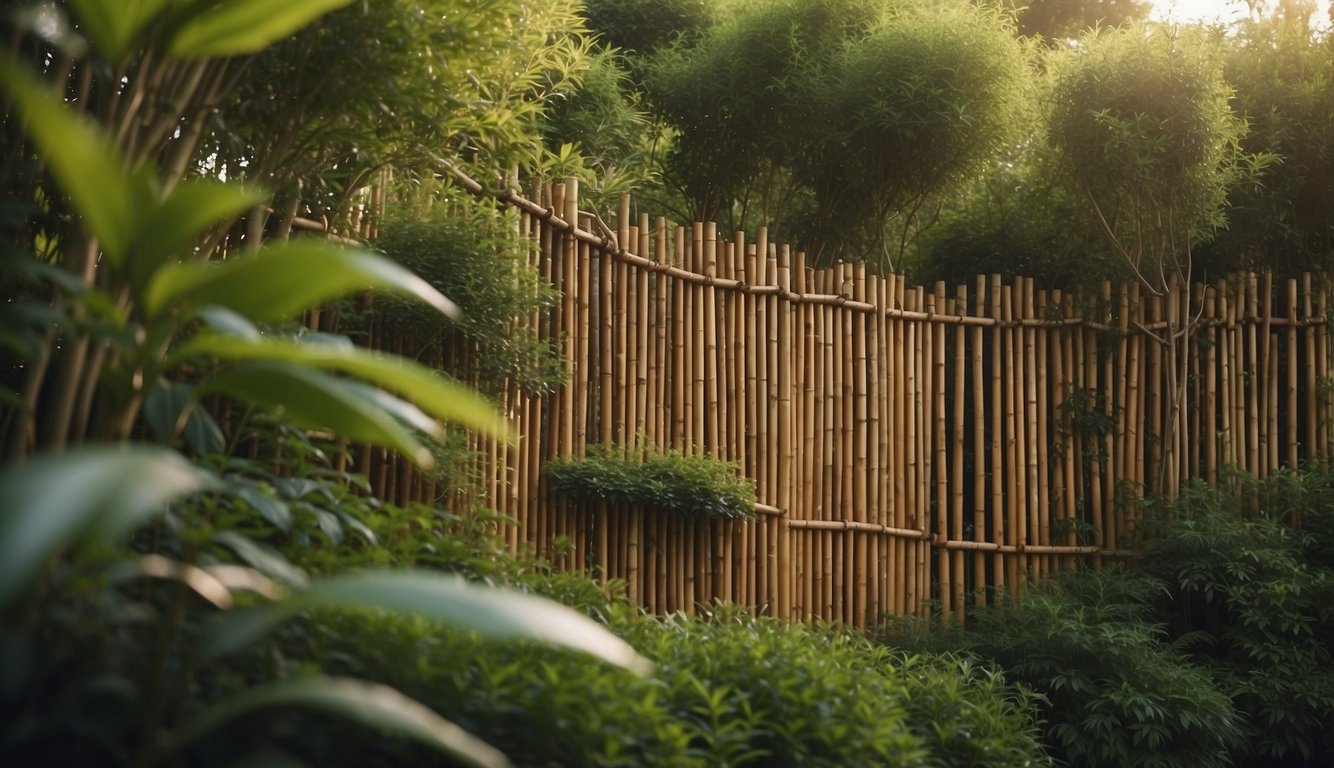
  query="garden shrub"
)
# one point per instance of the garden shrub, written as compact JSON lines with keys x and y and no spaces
{"x":668,"y":481}
{"x":727,"y":689}
{"x":1257,"y":594}
{"x":1116,"y":692}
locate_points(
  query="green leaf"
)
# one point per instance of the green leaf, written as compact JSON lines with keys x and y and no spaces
{"x":314,"y":400}
{"x":86,"y":163}
{"x":227,"y":322}
{"x":283,"y":279}
{"x":175,"y":225}
{"x":235,"y":27}
{"x":263,"y":559}
{"x":492,"y":612}
{"x":374,"y":705}
{"x":113,"y":24}
{"x":163,"y":407}
{"x":84,"y":495}
{"x":272,"y":509}
{"x":429,"y":390}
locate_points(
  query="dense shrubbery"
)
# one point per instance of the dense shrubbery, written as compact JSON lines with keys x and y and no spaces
{"x":727,"y":689}
{"x":1214,"y":649}
{"x":690,"y":485}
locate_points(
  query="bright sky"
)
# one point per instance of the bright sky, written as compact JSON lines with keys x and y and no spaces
{"x":1217,"y":10}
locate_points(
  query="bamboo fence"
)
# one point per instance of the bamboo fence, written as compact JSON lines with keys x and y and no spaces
{"x":911,"y":446}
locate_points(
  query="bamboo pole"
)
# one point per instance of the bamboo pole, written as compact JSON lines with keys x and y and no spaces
{"x":1313,"y":448}
{"x":1253,"y":362}
{"x":787,"y":435}
{"x":957,"y":421}
{"x":980,"y":445}
{"x":1036,"y":496}
{"x":999,"y":515}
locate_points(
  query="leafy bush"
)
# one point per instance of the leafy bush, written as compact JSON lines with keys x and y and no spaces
{"x":690,"y":485}
{"x":1259,"y":594}
{"x":727,"y":690}
{"x":1116,"y":691}
{"x":471,"y":253}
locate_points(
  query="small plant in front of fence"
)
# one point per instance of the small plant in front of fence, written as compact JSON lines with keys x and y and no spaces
{"x":692,"y":485}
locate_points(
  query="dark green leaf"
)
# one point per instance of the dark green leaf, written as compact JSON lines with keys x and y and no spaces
{"x":272,"y":509}
{"x":377,"y":706}
{"x":88,"y":494}
{"x":315,"y":400}
{"x":429,"y":390}
{"x":234,"y":27}
{"x":281,"y":280}
{"x":262,"y":559}
{"x":490,"y":611}
{"x":163,"y":407}
{"x":175,"y":225}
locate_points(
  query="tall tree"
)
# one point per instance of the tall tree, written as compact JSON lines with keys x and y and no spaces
{"x":1142,"y":128}
{"x":823,"y":119}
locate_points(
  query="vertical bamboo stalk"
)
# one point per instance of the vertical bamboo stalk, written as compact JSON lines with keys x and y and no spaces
{"x":1253,"y":365}
{"x":957,"y":428}
{"x":939,"y":499}
{"x":999,"y":513}
{"x":1015,"y":519}
{"x":1291,"y":439}
{"x":980,"y":466}
{"x":1034,"y":363}
{"x":1313,"y":448}
{"x":787,"y":434}
{"x":711,"y":372}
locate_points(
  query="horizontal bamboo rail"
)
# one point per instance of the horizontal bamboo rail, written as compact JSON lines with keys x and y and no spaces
{"x":909,"y":446}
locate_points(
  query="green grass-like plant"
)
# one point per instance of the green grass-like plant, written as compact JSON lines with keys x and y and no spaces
{"x":692,"y":485}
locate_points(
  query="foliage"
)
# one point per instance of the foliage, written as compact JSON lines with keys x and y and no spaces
{"x":692,"y":485}
{"x":1141,"y":125}
{"x":728,"y":689}
{"x":603,"y":125}
{"x":117,"y":654}
{"x":822,"y":118}
{"x":643,"y":26}
{"x":1281,"y":73}
{"x":469,"y":251}
{"x":400,"y":83}
{"x":1258,"y":592}
{"x":1015,"y":220}
{"x":1116,"y":691}
{"x":1057,"y":20}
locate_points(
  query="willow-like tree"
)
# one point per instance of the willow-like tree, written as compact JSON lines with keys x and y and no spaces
{"x":1142,"y":129}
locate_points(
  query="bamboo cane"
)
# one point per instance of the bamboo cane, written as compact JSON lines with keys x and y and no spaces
{"x":1313,"y":448}
{"x":999,"y":514}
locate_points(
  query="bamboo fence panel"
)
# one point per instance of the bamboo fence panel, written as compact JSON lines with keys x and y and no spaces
{"x":909,"y":446}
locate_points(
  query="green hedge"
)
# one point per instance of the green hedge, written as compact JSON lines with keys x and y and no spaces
{"x":726,"y":690}
{"x":667,"y":481}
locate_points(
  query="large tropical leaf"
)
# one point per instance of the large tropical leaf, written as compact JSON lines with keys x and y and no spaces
{"x":281,"y":280}
{"x":429,"y":390}
{"x":175,"y":225}
{"x":113,"y":24}
{"x":84,"y":495}
{"x":163,"y":408}
{"x":86,"y":164}
{"x":371,"y":704}
{"x":313,"y":399}
{"x":235,"y":27}
{"x":492,"y":612}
